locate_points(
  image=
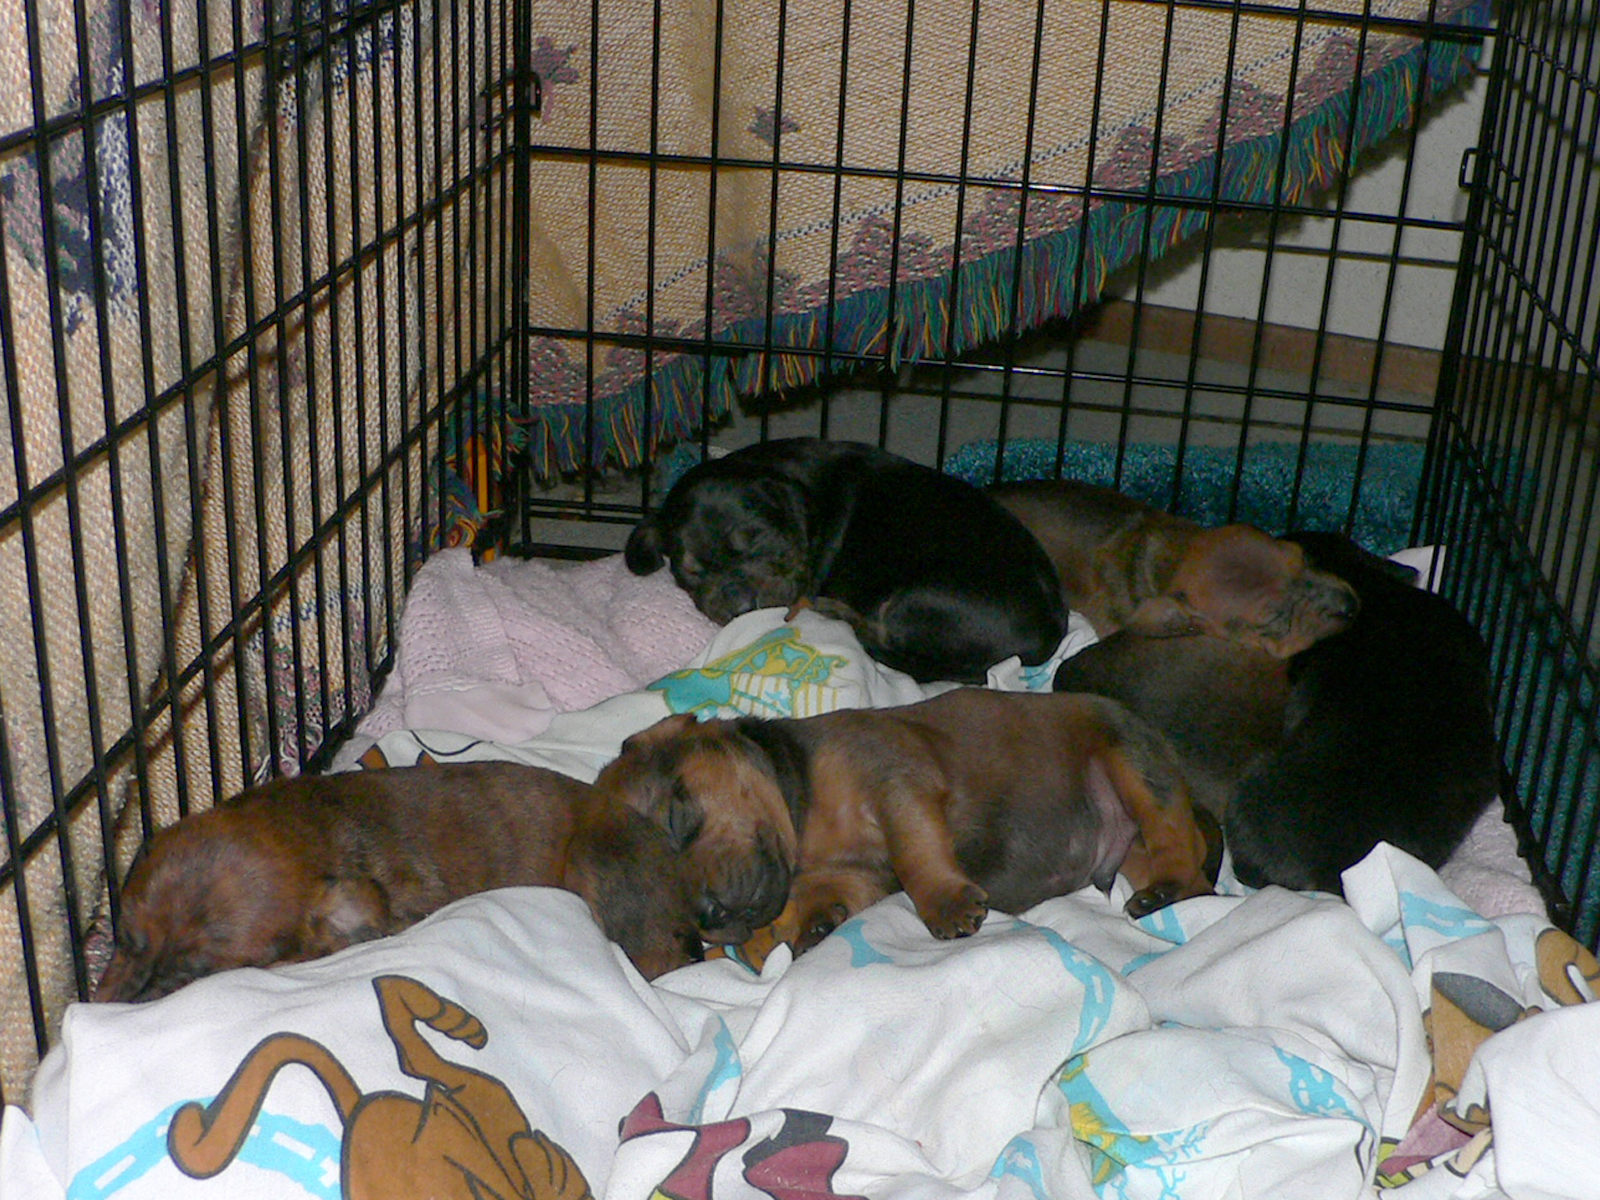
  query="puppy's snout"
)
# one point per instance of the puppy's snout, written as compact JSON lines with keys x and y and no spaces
{"x":746,"y":899}
{"x":710,"y":912}
{"x":737,"y":596}
{"x":730,"y":922}
{"x":726,"y":598}
{"x":1339,"y":603}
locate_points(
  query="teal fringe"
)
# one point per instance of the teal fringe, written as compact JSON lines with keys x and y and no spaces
{"x":1269,"y":496}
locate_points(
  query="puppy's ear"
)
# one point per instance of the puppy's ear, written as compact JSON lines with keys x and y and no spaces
{"x":1134,"y":567}
{"x":787,"y":761}
{"x":643,"y":553}
{"x":344,"y":912}
{"x":663,"y":730}
{"x":1163,"y":617}
{"x":1248,"y":563}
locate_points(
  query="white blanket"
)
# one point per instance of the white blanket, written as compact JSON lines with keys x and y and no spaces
{"x":1267,"y":1045}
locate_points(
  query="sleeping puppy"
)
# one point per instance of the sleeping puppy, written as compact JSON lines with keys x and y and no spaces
{"x":1220,"y":705}
{"x":1383,"y":732}
{"x":298,"y":868}
{"x":936,"y":578}
{"x":1389,"y":735}
{"x":974,"y":799}
{"x":1126,"y":565}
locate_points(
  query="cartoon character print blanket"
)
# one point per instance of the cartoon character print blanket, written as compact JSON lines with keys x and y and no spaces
{"x":504,"y":1048}
{"x":1273,"y":1043}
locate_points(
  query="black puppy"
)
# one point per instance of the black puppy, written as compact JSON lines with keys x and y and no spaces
{"x":938,"y":580}
{"x":1386,"y":729}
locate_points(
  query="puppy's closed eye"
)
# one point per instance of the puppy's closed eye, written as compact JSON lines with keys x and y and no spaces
{"x":684,"y":817}
{"x":742,"y":539}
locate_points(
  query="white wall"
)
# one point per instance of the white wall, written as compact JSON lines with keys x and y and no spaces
{"x":1421,"y":303}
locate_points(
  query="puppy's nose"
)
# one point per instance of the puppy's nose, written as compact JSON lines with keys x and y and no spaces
{"x":737,"y":597}
{"x":1346,"y":604}
{"x":710,"y":912}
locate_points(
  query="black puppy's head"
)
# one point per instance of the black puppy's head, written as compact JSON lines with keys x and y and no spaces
{"x":737,"y":539}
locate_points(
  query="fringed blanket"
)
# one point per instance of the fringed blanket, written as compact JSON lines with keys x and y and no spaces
{"x":818,"y":253}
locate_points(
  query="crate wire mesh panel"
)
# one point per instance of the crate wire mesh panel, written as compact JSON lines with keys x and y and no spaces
{"x":253,"y":257}
{"x":293,"y":293}
{"x":1518,"y":483}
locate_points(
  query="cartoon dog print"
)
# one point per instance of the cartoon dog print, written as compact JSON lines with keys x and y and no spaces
{"x":465,"y":1138}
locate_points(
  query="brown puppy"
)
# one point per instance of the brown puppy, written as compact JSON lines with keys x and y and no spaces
{"x":298,"y":868}
{"x":970,"y":800}
{"x":1222,"y":707}
{"x":1126,"y":565}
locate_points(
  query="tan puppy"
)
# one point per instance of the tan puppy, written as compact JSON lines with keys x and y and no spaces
{"x":298,"y":868}
{"x":971,"y":800}
{"x":1126,"y":565}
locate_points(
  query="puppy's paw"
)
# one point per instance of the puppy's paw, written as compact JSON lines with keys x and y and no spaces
{"x":818,"y":924}
{"x":1149,"y":899}
{"x":958,"y":913}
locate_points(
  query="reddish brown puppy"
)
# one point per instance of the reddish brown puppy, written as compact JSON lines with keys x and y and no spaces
{"x":974,"y":799}
{"x":298,"y":868}
{"x":1126,"y":565}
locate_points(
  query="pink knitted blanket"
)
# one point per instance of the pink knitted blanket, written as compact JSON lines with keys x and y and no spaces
{"x":496,"y":651}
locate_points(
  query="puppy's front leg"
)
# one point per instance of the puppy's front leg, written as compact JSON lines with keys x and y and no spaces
{"x":922,"y":853}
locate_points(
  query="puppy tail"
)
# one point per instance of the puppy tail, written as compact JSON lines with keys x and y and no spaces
{"x":203,"y":1140}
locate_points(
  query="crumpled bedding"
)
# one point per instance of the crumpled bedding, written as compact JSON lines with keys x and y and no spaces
{"x":1271,"y":1044}
{"x":1247,"y":1044}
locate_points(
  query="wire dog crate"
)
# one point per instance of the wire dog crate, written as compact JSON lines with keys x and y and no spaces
{"x":294,"y":293}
